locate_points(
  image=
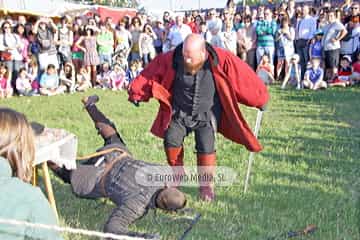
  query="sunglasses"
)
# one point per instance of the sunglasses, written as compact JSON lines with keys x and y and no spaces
{"x":355,"y":8}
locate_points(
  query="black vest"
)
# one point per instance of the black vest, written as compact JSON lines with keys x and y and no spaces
{"x":195,"y":95}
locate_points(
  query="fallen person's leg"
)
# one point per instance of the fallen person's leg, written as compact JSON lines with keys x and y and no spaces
{"x":104,"y":126}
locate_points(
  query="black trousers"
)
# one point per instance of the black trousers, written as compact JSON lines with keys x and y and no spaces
{"x":180,"y":127}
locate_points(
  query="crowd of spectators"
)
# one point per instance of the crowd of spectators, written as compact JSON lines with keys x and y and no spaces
{"x":300,"y":45}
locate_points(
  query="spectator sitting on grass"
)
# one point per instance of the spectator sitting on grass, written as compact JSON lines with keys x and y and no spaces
{"x":67,"y":77}
{"x":132,"y":72}
{"x":117,"y":78}
{"x":265,"y":70}
{"x":83,"y":81}
{"x":103,"y":78}
{"x":314,"y":76}
{"x":344,"y":73}
{"x":49,"y":82}
{"x":24,"y":84}
{"x":293,"y":72}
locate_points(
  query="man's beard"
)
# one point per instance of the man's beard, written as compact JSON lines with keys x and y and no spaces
{"x":193,"y":68}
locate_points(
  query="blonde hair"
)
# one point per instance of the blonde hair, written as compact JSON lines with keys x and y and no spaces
{"x":17,"y":143}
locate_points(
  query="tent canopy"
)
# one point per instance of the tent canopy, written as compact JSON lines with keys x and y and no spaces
{"x":49,"y":8}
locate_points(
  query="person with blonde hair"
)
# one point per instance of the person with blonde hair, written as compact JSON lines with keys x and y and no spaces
{"x":18,"y":199}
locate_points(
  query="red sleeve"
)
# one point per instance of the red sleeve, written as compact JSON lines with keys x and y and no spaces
{"x":140,"y":88}
{"x":249,"y":88}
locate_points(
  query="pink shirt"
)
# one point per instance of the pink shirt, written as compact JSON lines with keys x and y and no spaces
{"x":356,"y":67}
{"x":3,"y":83}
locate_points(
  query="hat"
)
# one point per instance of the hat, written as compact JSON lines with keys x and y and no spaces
{"x":347,"y":57}
{"x":319,"y":32}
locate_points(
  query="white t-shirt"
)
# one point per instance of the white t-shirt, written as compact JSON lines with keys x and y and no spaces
{"x":178,"y":34}
{"x":331,"y":31}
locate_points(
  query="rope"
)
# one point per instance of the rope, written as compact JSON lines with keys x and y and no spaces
{"x":67,"y":229}
{"x":100,"y":153}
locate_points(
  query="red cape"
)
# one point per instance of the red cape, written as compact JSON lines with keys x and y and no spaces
{"x":235,"y":82}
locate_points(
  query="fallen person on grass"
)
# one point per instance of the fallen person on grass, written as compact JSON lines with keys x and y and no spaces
{"x":112,"y":175}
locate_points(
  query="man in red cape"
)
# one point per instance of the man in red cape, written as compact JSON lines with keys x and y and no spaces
{"x":199,"y":87}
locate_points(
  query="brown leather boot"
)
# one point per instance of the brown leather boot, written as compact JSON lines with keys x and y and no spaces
{"x":206,"y":170}
{"x":175,"y":157}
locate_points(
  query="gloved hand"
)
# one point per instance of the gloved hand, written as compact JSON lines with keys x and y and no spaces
{"x":263,"y":108}
{"x":136,"y":103}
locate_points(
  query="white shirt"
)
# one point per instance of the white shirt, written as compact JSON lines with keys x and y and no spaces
{"x":306,"y":28}
{"x":12,"y":40}
{"x":178,"y":34}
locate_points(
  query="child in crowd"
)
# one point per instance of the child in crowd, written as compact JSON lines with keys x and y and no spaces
{"x":265,"y":70}
{"x":49,"y":82}
{"x":33,"y":73}
{"x":139,"y":65}
{"x":103,"y":79}
{"x":293,"y":72}
{"x":355,"y":77}
{"x":314,"y":76}
{"x":6,"y":90}
{"x":83,"y":80}
{"x":117,"y":78}
{"x":343,"y":77}
{"x":132,"y":72}
{"x":67,"y":77}
{"x":315,"y":48}
{"x":24,"y":84}
{"x":122,"y":61}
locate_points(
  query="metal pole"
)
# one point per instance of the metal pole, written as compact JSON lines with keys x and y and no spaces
{"x":251,"y":156}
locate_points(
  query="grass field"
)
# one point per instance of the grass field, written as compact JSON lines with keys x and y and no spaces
{"x":308,"y":172}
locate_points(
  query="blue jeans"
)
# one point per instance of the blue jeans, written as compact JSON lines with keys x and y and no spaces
{"x":105,"y":57}
{"x":302,"y":49}
{"x":269,"y":50}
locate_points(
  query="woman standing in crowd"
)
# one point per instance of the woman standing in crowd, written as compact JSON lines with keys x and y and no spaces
{"x":285,"y":48}
{"x":77,"y":54}
{"x":247,"y":39}
{"x":17,"y":154}
{"x":64,"y":41}
{"x":11,"y":50}
{"x":146,"y":44}
{"x":20,"y":30}
{"x":123,"y":41}
{"x":87,"y":44}
{"x":135,"y":30}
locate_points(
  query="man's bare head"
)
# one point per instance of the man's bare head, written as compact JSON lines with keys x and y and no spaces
{"x":194,"y":52}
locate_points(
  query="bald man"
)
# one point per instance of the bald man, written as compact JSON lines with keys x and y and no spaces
{"x":199,"y":87}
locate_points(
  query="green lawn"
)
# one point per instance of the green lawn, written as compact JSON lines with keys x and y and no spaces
{"x":308,"y":172}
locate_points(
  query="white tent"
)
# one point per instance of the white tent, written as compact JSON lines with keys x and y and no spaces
{"x":50,"y":8}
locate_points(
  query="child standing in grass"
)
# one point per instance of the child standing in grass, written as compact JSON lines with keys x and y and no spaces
{"x":313,"y":78}
{"x":6,"y":90}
